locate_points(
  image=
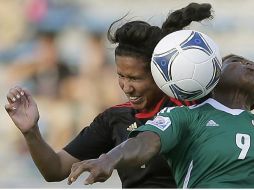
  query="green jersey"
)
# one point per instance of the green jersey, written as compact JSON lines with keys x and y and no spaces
{"x":208,"y":145}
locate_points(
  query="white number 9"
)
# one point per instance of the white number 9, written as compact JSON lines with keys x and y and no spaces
{"x":243,"y":142}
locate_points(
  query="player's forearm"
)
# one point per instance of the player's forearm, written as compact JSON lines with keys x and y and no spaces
{"x":45,"y":158}
{"x":135,"y":151}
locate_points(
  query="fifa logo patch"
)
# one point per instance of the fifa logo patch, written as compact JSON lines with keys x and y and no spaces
{"x":160,"y":122}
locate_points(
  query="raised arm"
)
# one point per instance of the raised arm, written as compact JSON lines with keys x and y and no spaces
{"x":24,"y":113}
{"x":133,"y":152}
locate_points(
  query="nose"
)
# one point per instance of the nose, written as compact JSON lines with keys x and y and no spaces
{"x":127,"y":86}
{"x":250,"y":62}
{"x":247,"y":62}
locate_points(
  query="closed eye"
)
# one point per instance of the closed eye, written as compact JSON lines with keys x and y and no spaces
{"x":241,"y":61}
{"x":120,"y":76}
{"x":235,"y":60}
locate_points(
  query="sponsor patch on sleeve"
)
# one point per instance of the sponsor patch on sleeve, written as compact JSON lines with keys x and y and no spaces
{"x":160,"y":122}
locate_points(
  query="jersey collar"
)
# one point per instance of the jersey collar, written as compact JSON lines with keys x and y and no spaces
{"x":217,"y":105}
{"x":146,"y":115}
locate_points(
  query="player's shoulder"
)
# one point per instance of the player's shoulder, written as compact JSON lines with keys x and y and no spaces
{"x":120,"y":108}
{"x":185,"y":108}
{"x":207,"y":104}
{"x":174,"y":110}
{"x":115,"y":113}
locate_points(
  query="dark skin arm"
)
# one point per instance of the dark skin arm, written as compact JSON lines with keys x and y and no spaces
{"x":131,"y":153}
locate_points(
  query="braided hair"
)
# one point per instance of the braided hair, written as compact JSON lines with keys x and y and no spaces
{"x":139,"y":38}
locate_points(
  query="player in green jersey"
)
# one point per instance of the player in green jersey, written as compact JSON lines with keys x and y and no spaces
{"x":135,"y":41}
{"x":208,"y":146}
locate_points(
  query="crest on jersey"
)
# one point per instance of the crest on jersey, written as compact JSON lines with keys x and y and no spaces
{"x":160,"y":122}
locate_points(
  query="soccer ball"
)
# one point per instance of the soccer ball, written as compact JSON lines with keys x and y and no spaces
{"x":186,"y":64}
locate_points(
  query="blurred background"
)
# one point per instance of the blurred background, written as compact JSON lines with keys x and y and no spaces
{"x":58,"y":50}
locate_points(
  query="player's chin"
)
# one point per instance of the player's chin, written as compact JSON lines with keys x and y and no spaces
{"x":139,"y":105}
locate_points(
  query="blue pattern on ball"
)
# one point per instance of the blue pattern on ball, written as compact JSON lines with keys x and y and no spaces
{"x":216,"y":73}
{"x":163,"y":63}
{"x":183,"y":94}
{"x":195,"y":40}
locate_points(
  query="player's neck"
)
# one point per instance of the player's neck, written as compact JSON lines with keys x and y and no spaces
{"x":233,"y":100}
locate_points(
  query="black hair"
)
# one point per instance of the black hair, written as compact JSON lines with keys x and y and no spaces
{"x":227,"y":57}
{"x":139,"y":38}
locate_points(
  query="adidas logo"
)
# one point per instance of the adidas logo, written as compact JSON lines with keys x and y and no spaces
{"x":132,"y":127}
{"x":212,"y":123}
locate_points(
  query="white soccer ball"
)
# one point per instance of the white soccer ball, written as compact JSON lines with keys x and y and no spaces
{"x":186,"y":64}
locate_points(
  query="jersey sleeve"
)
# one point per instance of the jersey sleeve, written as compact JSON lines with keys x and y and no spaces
{"x":171,"y":124}
{"x":93,"y":140}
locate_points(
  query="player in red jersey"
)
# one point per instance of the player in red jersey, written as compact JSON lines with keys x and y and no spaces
{"x":208,"y":145}
{"x":135,"y":43}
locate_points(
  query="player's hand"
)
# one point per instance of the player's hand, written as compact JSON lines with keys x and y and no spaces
{"x":22,"y":109}
{"x":100,"y":170}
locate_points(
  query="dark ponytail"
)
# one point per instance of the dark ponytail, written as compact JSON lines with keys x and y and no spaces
{"x":181,"y":18}
{"x":138,"y":38}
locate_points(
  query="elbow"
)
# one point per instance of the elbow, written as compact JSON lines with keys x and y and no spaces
{"x":49,"y":179}
{"x":52,"y":179}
